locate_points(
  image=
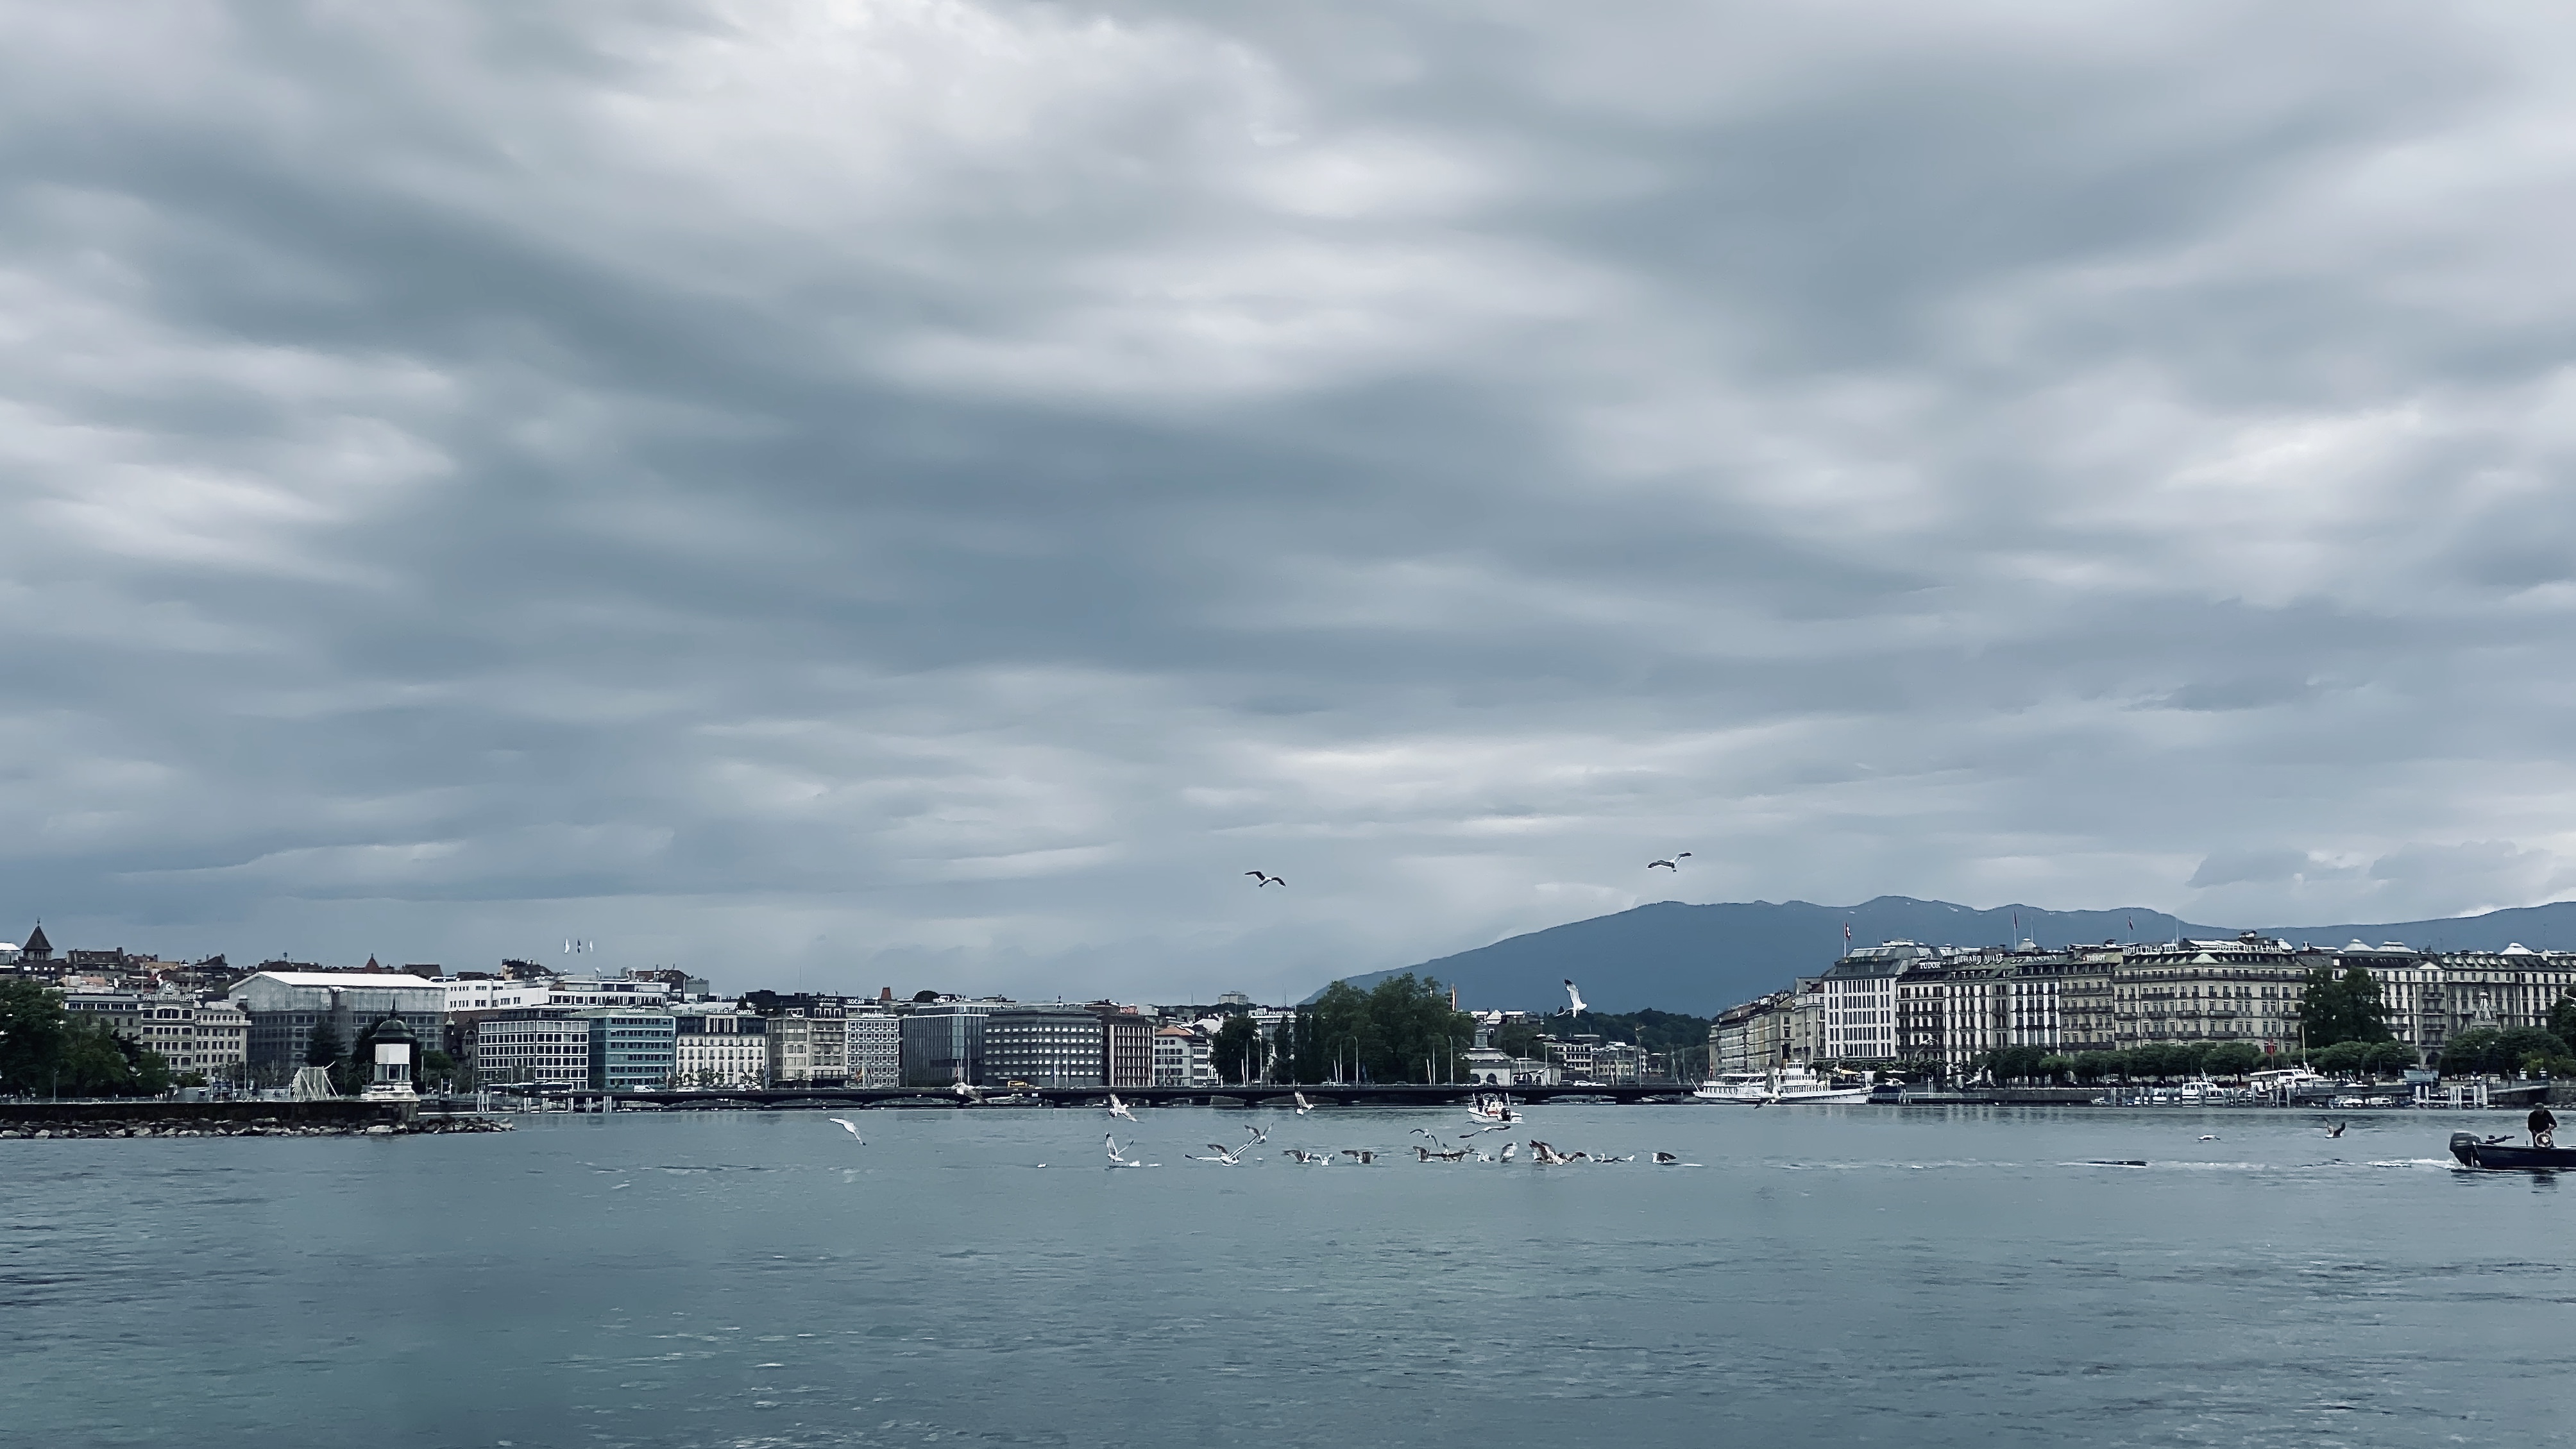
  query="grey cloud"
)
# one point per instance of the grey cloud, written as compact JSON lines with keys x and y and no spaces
{"x":952,"y":484}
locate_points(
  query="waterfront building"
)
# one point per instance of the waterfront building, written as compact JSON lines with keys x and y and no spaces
{"x":532,"y":1046}
{"x":712,"y":1048}
{"x":1043,"y":1046}
{"x":628,"y":1049}
{"x":2244,"y":990}
{"x":875,"y":1046}
{"x":2502,"y":989}
{"x":1181,"y":1058}
{"x":1859,"y":1000}
{"x":809,"y":1046}
{"x":1618,"y":1063}
{"x":1126,"y":1047}
{"x":943,"y":1043}
{"x":1753,"y":1037}
{"x":1571,"y":1055}
{"x":210,"y":1037}
{"x":285,"y":1007}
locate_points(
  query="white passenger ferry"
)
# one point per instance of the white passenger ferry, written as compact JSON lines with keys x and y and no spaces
{"x":1787,"y":1084}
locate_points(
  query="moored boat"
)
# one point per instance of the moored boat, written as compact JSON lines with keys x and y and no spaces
{"x":2502,"y":1156}
{"x":1786,"y":1084}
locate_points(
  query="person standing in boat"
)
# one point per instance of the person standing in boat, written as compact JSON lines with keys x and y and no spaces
{"x":2543,"y":1125}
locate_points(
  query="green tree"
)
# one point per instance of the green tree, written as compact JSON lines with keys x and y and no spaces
{"x":1237,"y":1050}
{"x":2232,"y":1059}
{"x":31,"y":1038}
{"x":2056,"y":1067}
{"x":2343,"y":1059}
{"x":2562,"y":1019}
{"x":1520,"y":1039}
{"x":2335,"y":1009}
{"x":323,"y":1047}
{"x":2525,"y":1049}
{"x":2388,"y":1058}
{"x":2470,"y":1053}
{"x":2094,"y":1066}
{"x":1396,"y":1031}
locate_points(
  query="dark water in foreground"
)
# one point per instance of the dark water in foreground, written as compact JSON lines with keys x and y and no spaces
{"x":1832,"y":1276}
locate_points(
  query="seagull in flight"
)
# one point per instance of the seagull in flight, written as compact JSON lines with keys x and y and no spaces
{"x":1264,"y":878}
{"x":1260,"y":1138}
{"x":1363,"y":1154}
{"x":1674,"y":864}
{"x":1230,"y":1159}
{"x":1574,"y":996}
{"x":850,"y":1127}
{"x":1303,"y":1106}
{"x":2336,"y":1129}
{"x":1308,"y":1159}
{"x":1667,"y":1159}
{"x":1118,"y":1158}
{"x":1119,"y":1109}
{"x":1508,"y":1149}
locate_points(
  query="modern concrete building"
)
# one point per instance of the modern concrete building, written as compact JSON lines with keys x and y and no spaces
{"x":531,"y":1046}
{"x":1043,"y":1046}
{"x":1127,"y":1047}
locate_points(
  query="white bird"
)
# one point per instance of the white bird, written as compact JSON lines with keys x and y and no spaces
{"x":1308,"y":1159}
{"x":2208,"y":1137}
{"x":1222,"y":1155}
{"x":850,"y":1127}
{"x":1667,"y":1159}
{"x":1303,"y":1106}
{"x":1119,"y":1109}
{"x":1574,"y":996}
{"x":1427,"y":1155}
{"x":1259,"y":1138}
{"x":1364,"y":1155}
{"x":1508,"y":1149}
{"x":1118,"y":1158}
{"x":2336,"y":1130}
{"x":1673,"y":865}
{"x":1264,"y":878}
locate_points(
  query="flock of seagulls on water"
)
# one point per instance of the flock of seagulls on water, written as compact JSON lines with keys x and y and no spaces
{"x":1430,"y":1149}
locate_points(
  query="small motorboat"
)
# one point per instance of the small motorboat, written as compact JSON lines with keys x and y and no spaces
{"x":2500,"y":1155}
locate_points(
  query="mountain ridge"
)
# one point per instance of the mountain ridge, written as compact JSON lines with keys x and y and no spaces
{"x":1703,"y":958}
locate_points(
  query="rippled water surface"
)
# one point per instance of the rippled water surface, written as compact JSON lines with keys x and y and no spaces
{"x":1828,"y":1276}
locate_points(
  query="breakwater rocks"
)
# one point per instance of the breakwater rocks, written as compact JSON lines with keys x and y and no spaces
{"x":45,"y":1120}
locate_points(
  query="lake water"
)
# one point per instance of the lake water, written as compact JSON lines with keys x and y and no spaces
{"x":1830,"y":1276}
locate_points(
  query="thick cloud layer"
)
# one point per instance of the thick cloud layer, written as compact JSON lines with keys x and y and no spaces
{"x":927,"y":493}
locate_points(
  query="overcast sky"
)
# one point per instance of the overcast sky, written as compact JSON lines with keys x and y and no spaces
{"x":926,"y":493}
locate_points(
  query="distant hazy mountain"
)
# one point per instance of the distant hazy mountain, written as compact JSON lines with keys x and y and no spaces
{"x":1703,"y":959}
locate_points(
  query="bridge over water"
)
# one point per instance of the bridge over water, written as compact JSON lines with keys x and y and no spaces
{"x":1326,"y":1094}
